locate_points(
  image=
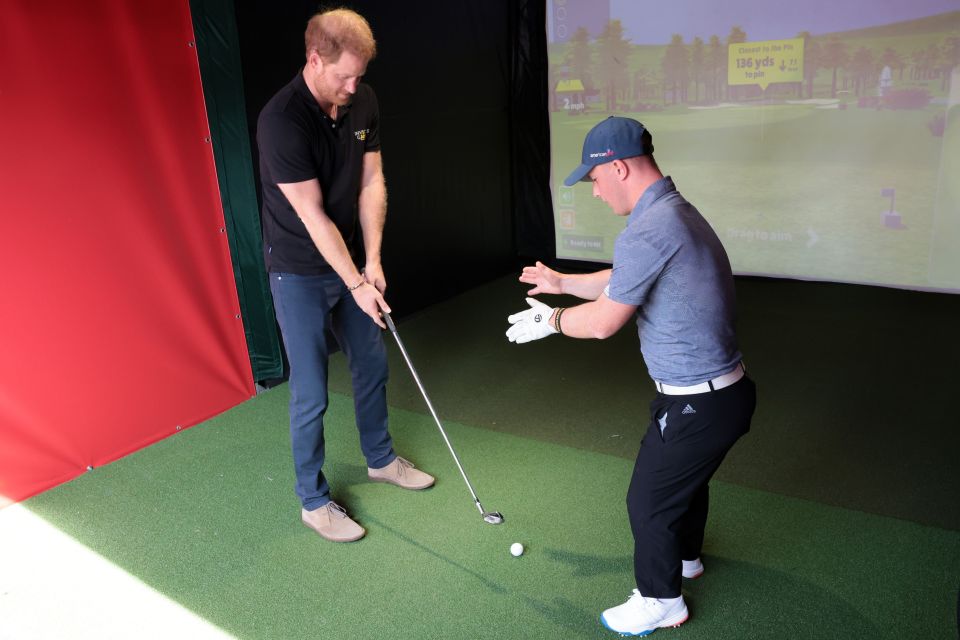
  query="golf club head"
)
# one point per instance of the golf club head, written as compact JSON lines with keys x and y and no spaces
{"x":493,"y":517}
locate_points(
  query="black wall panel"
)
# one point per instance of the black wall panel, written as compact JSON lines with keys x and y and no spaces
{"x":444,"y":76}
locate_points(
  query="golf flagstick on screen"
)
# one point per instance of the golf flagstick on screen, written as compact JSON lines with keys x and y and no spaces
{"x":820,"y":140}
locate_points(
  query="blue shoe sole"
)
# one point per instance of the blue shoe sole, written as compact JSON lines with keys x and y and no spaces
{"x":625,"y":633}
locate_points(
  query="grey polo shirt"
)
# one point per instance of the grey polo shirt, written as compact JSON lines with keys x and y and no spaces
{"x":670,"y":263}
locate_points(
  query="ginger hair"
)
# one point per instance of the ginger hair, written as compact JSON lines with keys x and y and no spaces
{"x":331,"y":32}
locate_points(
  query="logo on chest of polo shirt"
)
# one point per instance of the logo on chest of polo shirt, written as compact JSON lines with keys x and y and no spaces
{"x":361,"y":134}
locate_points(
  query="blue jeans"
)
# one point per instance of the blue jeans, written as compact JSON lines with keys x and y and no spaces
{"x":308,"y":307}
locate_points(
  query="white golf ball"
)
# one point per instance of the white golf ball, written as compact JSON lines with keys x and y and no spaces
{"x":516,"y":549}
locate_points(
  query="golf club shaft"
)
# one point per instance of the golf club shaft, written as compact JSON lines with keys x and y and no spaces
{"x":423,"y":392}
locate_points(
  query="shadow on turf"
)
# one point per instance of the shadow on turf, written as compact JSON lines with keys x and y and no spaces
{"x":588,"y":565}
{"x":560,"y":610}
{"x":564,"y":613}
{"x":766,"y":603}
{"x":489,"y":583}
{"x":346,"y":474}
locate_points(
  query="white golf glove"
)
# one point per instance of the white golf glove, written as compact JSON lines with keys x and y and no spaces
{"x":532,"y":324}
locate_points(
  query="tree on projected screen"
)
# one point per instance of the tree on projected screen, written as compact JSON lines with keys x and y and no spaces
{"x":834,"y":56}
{"x":613,"y":51}
{"x":579,"y":58}
{"x":645,"y":83}
{"x":812,"y":54}
{"x":697,"y":66}
{"x":676,"y":69}
{"x":736,"y":36}
{"x":951,"y":59}
{"x":863,"y":70}
{"x":717,"y":58}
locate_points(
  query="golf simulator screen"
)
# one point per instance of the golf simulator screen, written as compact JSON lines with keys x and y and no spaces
{"x":821,"y":140}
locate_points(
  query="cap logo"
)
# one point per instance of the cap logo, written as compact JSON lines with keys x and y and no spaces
{"x":603,"y":154}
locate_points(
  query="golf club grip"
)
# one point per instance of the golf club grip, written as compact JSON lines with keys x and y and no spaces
{"x":389,"y":321}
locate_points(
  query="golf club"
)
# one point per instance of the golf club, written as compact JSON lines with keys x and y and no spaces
{"x":492,"y":517}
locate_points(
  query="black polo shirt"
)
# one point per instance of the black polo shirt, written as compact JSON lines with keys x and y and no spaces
{"x":299,"y":142}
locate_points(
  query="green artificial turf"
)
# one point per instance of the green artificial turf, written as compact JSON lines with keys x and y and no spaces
{"x":835,"y":517}
{"x":857,"y":387}
{"x":209,"y":519}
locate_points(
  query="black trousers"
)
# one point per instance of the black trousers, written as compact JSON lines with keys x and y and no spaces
{"x":668,"y":497}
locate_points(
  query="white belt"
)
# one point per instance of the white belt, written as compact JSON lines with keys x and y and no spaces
{"x":717,"y":383}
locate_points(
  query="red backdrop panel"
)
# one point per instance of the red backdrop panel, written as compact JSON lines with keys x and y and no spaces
{"x":118,"y":310}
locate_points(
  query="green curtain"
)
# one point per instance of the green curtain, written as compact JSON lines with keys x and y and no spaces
{"x":218,"y":49}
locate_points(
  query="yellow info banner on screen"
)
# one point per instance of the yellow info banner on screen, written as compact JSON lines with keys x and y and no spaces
{"x":765,"y":62}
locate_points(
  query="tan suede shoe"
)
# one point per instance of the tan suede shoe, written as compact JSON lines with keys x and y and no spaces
{"x":402,"y":473}
{"x":332,"y":522}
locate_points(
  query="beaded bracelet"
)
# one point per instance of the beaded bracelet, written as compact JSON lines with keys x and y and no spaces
{"x":358,"y":285}
{"x":556,"y":320}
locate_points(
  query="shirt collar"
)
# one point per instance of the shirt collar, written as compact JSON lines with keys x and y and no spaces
{"x":654,"y":192}
{"x":301,"y":87}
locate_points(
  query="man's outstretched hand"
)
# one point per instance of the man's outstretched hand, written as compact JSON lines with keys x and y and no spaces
{"x":532,"y":324}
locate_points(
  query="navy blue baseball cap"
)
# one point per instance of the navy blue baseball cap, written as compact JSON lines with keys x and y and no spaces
{"x":613,"y":139}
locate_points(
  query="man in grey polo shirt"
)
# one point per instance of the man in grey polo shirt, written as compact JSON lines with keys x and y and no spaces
{"x":671,"y":273}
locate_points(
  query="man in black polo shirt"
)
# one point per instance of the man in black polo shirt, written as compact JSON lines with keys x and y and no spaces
{"x":324,"y":205}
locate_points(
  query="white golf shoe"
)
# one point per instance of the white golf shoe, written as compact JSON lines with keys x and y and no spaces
{"x":640,"y":616}
{"x":692,"y":569}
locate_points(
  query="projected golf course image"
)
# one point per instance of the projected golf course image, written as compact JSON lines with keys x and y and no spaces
{"x":840,"y":174}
